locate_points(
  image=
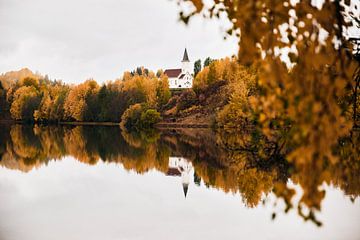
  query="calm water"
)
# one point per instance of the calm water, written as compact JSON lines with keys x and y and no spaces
{"x":102,"y":183}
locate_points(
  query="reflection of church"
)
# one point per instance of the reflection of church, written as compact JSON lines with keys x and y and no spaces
{"x":180,"y":167}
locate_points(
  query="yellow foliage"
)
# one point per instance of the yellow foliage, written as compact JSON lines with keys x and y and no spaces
{"x":75,"y":103}
{"x":25,"y":102}
{"x":304,"y":91}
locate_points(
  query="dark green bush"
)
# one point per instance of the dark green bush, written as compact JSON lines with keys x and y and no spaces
{"x":138,"y":116}
{"x":149,"y":118}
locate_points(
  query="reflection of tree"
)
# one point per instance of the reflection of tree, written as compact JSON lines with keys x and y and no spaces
{"x":24,"y":150}
{"x":243,"y":163}
{"x":254,"y":166}
{"x":77,"y":146}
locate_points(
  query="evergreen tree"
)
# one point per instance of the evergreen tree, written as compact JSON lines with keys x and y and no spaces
{"x":197,"y":67}
{"x":207,"y":61}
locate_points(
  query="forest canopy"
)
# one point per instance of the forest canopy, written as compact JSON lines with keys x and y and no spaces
{"x":34,"y":98}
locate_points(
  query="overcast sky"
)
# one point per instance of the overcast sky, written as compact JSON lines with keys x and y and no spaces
{"x":75,"y":40}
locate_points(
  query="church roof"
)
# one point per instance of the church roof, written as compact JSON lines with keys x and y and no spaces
{"x":173,"y":172}
{"x":186,"y":57}
{"x":172,"y":73}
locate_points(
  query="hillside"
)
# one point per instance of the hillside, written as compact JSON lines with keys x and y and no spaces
{"x":196,"y":108}
{"x":218,"y":98}
{"x":8,"y":79}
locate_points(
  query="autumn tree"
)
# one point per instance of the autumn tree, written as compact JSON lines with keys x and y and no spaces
{"x":301,"y":92}
{"x":212,"y":74}
{"x":29,"y":82}
{"x":75,"y":104}
{"x":26,"y":100}
{"x":238,"y":113}
{"x":51,"y":108}
{"x":163,"y":93}
{"x":140,"y":88}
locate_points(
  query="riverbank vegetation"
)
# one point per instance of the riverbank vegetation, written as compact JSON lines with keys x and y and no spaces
{"x":32,"y":97}
{"x":139,"y":99}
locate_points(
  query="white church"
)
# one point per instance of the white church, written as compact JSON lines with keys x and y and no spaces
{"x":181,"y":78}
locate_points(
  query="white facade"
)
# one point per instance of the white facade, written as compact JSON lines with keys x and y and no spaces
{"x":185,"y":82}
{"x":181,"y":78}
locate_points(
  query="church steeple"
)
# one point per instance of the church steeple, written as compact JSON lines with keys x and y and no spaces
{"x":186,"y":64}
{"x":186,"y":57}
{"x":185,"y":188}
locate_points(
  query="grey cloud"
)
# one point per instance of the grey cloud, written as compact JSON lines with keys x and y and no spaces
{"x":74,"y":40}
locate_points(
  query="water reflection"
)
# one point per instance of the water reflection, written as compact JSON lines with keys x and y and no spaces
{"x":180,"y":167}
{"x":229,"y":162}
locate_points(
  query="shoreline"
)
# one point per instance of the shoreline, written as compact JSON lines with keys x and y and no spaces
{"x":89,"y":123}
{"x":163,"y":125}
{"x":61,"y":123}
{"x":160,"y":125}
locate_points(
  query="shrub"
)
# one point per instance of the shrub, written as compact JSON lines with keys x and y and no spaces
{"x":186,"y":99}
{"x":149,"y":118}
{"x":138,"y":116}
{"x":171,"y":103}
{"x":131,"y":117}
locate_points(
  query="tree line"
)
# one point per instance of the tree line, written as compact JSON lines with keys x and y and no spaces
{"x":223,"y":89}
{"x":35,"y":98}
{"x":140,"y":94}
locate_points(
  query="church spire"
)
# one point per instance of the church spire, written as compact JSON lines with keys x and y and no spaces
{"x":186,"y":57}
{"x":185,"y":188}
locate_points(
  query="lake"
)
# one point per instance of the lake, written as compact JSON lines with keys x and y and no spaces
{"x":91,"y":182}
